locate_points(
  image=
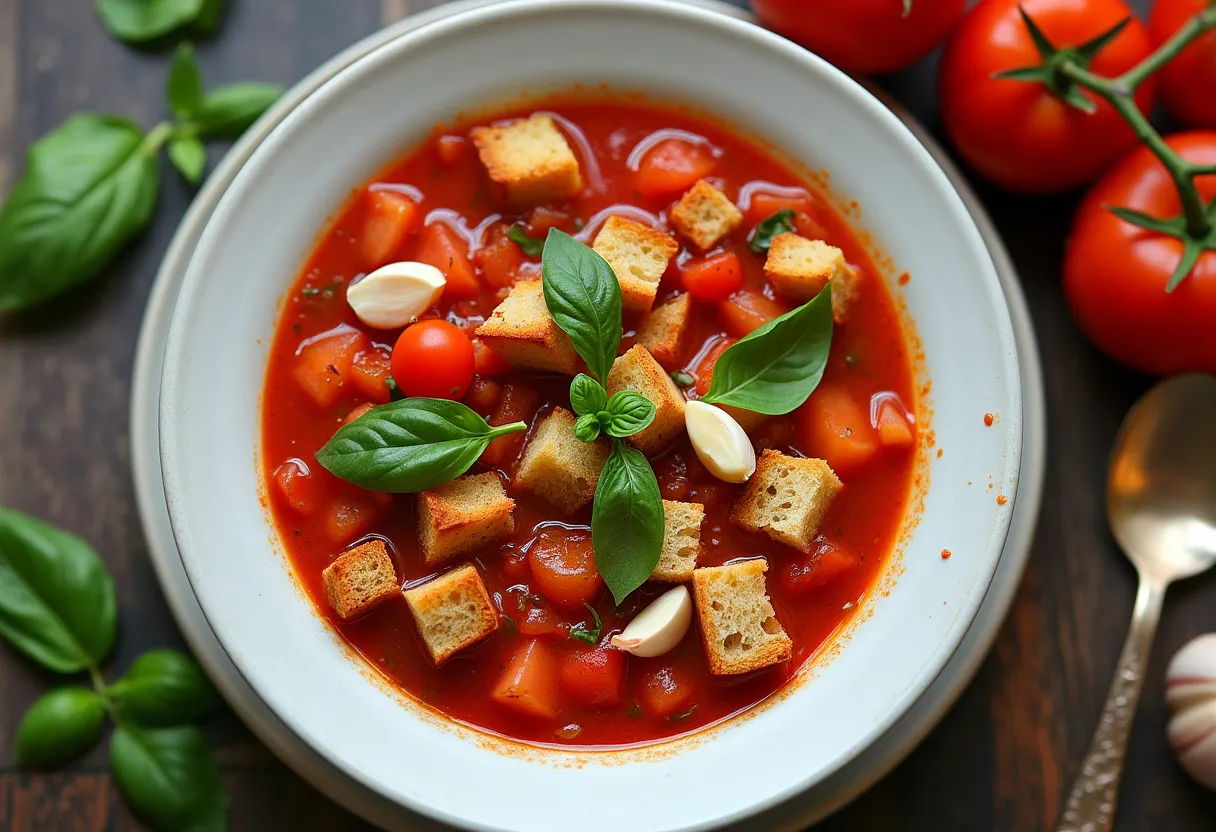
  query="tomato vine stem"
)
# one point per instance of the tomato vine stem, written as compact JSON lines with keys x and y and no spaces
{"x":1120,"y":93}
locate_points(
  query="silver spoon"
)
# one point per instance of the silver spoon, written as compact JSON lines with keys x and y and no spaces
{"x":1161,"y":505}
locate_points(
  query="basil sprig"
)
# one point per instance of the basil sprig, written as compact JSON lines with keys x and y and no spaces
{"x":775,"y":368}
{"x":584,"y":298}
{"x":585,"y":633}
{"x":531,"y":246}
{"x":90,"y":185}
{"x":57,"y":607}
{"x":410,"y":445}
{"x":140,"y":21}
{"x":625,"y":414}
{"x":626,"y":521}
{"x":780,"y":222}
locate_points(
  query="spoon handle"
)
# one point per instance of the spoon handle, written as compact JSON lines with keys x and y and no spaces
{"x":1091,"y":804}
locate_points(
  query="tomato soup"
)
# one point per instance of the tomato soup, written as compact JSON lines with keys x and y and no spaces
{"x":438,"y":204}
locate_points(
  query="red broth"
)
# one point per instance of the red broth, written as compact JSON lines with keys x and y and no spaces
{"x":664,"y":696}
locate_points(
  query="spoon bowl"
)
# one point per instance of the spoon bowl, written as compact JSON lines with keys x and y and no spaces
{"x":1161,"y":505}
{"x":1161,"y":490}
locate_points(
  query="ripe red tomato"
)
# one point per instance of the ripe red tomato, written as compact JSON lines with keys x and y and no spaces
{"x":563,"y":568}
{"x":871,"y":36}
{"x":713,"y":278}
{"x":1188,"y":83}
{"x":433,"y":359}
{"x":1115,"y":273}
{"x":1019,"y":134}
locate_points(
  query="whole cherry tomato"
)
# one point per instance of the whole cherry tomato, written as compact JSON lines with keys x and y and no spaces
{"x":433,"y":359}
{"x":871,"y":36}
{"x":1188,"y":83}
{"x":1115,"y":273}
{"x":1021,"y":134}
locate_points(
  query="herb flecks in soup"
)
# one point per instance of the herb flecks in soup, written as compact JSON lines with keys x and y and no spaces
{"x":483,"y":452}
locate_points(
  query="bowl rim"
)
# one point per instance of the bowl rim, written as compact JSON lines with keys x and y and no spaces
{"x":477,"y":14}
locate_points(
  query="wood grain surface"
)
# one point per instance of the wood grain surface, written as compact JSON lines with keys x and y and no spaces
{"x":1000,"y":760}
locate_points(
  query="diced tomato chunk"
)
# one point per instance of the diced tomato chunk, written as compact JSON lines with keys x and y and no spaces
{"x":528,"y":686}
{"x":298,"y":485}
{"x":451,"y":149}
{"x":483,"y":394}
{"x":357,"y":411}
{"x":486,"y":362}
{"x":746,"y":311}
{"x":666,"y":693}
{"x":712,"y":279}
{"x":443,"y":248}
{"x":515,"y":564}
{"x":764,"y":205}
{"x":543,"y":218}
{"x":671,"y":167}
{"x":369,"y":374}
{"x":563,"y":567}
{"x":541,"y":621}
{"x":348,"y":519}
{"x":594,"y":676}
{"x":323,"y":363}
{"x":390,"y":217}
{"x":500,"y":258}
{"x":888,"y":416}
{"x":833,"y":426}
{"x":516,"y":404}
{"x":826,"y":562}
{"x":704,"y":371}
{"x":809,"y":227}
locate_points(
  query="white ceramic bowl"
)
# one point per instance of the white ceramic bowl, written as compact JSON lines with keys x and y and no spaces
{"x":383,"y":103}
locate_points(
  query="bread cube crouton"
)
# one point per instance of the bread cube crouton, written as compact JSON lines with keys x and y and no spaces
{"x":787,"y":498}
{"x":799,"y":268}
{"x":521,"y":330}
{"x":462,"y":516}
{"x":452,"y":611}
{"x":739,"y":627}
{"x":637,"y":370}
{"x":559,"y":467}
{"x":529,"y":160}
{"x":360,"y":579}
{"x":638,"y":256}
{"x":663,"y":330}
{"x":704,"y":215}
{"x":681,"y":541}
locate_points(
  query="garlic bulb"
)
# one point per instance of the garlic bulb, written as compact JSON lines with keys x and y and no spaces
{"x":1190,"y":691}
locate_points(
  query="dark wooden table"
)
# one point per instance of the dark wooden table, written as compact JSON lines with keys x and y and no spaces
{"x":1001,"y":760}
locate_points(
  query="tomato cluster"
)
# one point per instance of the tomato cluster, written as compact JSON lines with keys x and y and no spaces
{"x":1019,"y":119}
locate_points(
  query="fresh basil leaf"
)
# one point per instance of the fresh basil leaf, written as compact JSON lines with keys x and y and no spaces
{"x":588,"y":635}
{"x":531,"y":246}
{"x":56,"y":599}
{"x":629,"y":413}
{"x":410,"y":445}
{"x":587,"y":395}
{"x":169,"y":778}
{"x":228,"y":111}
{"x":140,"y":21}
{"x":184,"y":89}
{"x":587,"y":427}
{"x":61,"y":725}
{"x":394,"y":391}
{"x":163,"y":688}
{"x":584,"y":298}
{"x":683,"y":379}
{"x":209,"y":17}
{"x":626,"y":521}
{"x":189,"y":156}
{"x":781,"y":222}
{"x":775,"y":368}
{"x":89,"y":187}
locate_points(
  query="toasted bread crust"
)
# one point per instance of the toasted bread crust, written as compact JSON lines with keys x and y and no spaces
{"x":452,"y":611}
{"x":704,"y":215}
{"x":787,"y":498}
{"x":662,"y":332}
{"x":462,"y":516}
{"x":529,"y":161}
{"x":681,"y":541}
{"x":521,"y":330}
{"x":638,"y":256}
{"x":638,"y":371}
{"x":359,"y":580}
{"x":799,"y":268}
{"x":739,"y":627}
{"x":557,"y":466}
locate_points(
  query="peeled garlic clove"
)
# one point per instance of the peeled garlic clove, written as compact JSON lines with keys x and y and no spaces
{"x":658,"y":628}
{"x":1192,"y":733}
{"x":1191,"y":675}
{"x":394,"y":295}
{"x":721,"y":444}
